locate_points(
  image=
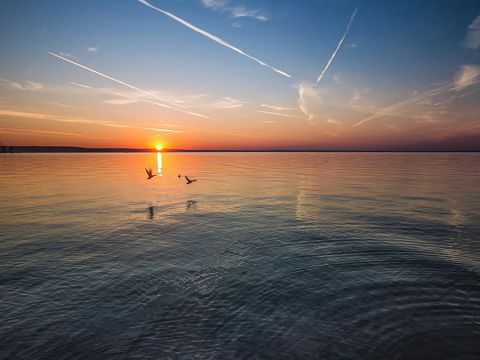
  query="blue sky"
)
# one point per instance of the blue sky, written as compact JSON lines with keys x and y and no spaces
{"x":396,"y":53}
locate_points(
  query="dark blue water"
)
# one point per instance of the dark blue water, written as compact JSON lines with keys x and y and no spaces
{"x":266,"y":256}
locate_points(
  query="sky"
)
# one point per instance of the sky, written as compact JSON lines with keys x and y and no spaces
{"x":241,"y":74}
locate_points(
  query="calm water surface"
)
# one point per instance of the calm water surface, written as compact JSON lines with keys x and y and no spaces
{"x":267,"y":256}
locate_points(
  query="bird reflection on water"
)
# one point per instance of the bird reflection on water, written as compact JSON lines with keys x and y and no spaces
{"x":151,"y":212}
{"x":191,"y":204}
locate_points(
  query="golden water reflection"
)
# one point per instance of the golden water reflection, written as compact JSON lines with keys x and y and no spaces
{"x":159,"y":163}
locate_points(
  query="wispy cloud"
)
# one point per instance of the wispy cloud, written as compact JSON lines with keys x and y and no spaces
{"x":73,"y":119}
{"x":120,"y":101}
{"x":468,"y":76}
{"x":111,"y":78}
{"x":24,"y":85}
{"x":163,"y":130}
{"x":333,"y":121}
{"x":133,"y":97}
{"x":257,"y":14}
{"x":276,"y":107}
{"x":338,"y":46}
{"x":92,"y":49}
{"x":60,"y":104}
{"x":306,"y":93}
{"x":277,"y":114}
{"x":43,"y":132}
{"x":235,"y":11}
{"x":227,"y":103}
{"x":67,"y":55}
{"x":41,"y":116}
{"x":336,"y":102}
{"x":80,"y":85}
{"x":213,"y":37}
{"x":217,"y":5}
{"x":357,"y":96}
{"x":472,"y":40}
{"x":136,"y":98}
{"x":176,"y":106}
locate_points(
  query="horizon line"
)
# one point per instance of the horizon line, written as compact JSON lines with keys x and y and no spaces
{"x":80,"y":149}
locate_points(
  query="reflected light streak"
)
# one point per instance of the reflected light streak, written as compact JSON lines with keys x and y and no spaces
{"x":159,"y":163}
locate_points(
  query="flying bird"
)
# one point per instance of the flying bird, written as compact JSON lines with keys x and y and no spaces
{"x":149,"y":174}
{"x":189,"y":181}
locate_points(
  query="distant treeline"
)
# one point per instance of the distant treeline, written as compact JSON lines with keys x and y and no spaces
{"x":73,"y":149}
{"x":6,"y":148}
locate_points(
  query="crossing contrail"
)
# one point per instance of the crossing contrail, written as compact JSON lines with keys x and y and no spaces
{"x":174,"y":107}
{"x":112,"y":78}
{"x":448,"y":87}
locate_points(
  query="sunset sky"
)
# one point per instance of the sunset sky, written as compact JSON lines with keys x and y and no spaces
{"x":241,"y":74}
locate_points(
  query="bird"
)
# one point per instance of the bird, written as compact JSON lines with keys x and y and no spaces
{"x":149,"y":174}
{"x":179,"y":176}
{"x":189,"y":181}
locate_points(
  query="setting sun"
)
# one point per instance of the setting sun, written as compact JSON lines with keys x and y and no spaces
{"x":159,"y":147}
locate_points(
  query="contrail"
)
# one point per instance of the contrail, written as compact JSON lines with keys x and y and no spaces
{"x":213,"y":37}
{"x":80,"y":85}
{"x":276,"y":113}
{"x":59,"y":118}
{"x":151,"y":102}
{"x":44,"y":132}
{"x":338,"y":46}
{"x":178,"y":107}
{"x":450,"y":86}
{"x":113,"y":79}
{"x":276,"y":107}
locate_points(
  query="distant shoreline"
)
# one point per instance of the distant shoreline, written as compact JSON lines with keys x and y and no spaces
{"x":72,"y":149}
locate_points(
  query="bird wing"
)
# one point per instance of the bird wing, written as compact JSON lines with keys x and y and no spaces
{"x":186,"y":177}
{"x":149,"y":172}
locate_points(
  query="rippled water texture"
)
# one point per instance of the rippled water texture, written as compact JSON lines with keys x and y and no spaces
{"x":268,"y":255}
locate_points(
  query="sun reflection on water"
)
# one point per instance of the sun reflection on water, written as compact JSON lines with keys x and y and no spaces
{"x":159,"y":163}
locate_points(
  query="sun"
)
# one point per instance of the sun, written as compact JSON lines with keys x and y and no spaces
{"x":159,"y":147}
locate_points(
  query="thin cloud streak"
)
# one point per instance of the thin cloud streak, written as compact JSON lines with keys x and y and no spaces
{"x":177,"y":107}
{"x":113,"y":79}
{"x":276,"y":107}
{"x":44,"y":132}
{"x":338,"y":46}
{"x":235,"y":11}
{"x":450,"y":86}
{"x":134,"y":99}
{"x":472,"y":40}
{"x":213,"y":37}
{"x":26,"y":86}
{"x":80,"y":85}
{"x":58,"y":118}
{"x":278,"y":114}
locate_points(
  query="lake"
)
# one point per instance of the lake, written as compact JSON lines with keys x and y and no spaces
{"x":266,"y":256}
